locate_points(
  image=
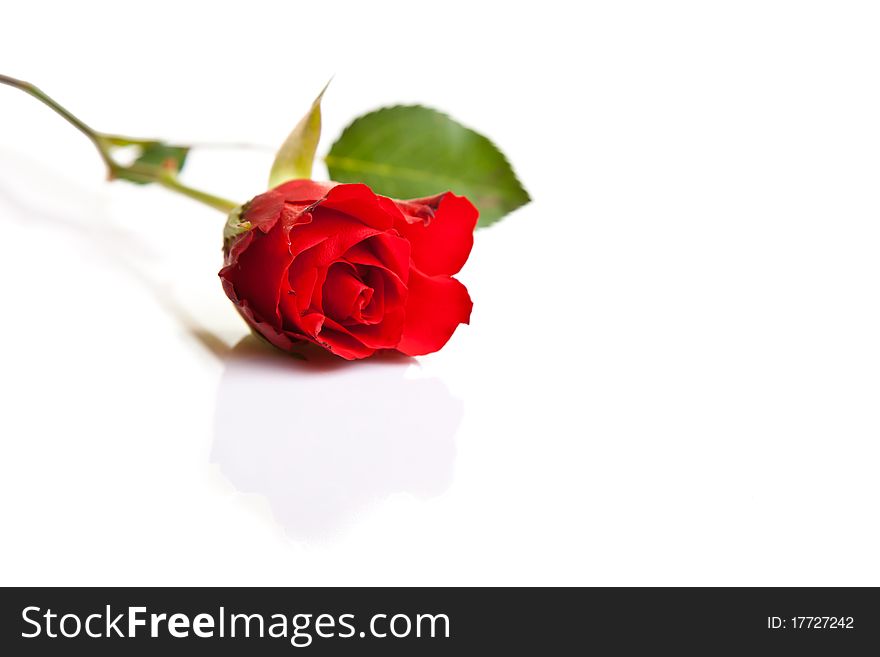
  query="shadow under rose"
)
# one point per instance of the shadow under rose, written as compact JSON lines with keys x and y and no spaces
{"x":322,"y":439}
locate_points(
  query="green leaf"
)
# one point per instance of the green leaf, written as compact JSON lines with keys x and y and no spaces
{"x":297,"y":153}
{"x":168,"y":157}
{"x":155,"y":158}
{"x":413,"y":151}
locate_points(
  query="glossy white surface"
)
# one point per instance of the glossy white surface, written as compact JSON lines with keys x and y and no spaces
{"x":671,"y":376}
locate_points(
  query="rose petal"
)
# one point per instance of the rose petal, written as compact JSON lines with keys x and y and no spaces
{"x":263,"y":211}
{"x":301,"y":285}
{"x":435,"y":306}
{"x":359,"y":201}
{"x":303,"y":191}
{"x":374,"y":311}
{"x":342,"y":291}
{"x":340,"y":341}
{"x":256,"y":272}
{"x":440,"y":231}
{"x":329,"y":235}
{"x":300,"y":301}
{"x":383,"y":335}
{"x":384,"y":250}
{"x":280,"y":339}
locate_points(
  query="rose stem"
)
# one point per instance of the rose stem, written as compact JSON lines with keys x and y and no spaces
{"x":103,"y":142}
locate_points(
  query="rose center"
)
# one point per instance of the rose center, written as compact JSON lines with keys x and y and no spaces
{"x":346,"y":297}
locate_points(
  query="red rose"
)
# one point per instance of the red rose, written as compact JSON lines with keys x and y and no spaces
{"x":350,"y":270}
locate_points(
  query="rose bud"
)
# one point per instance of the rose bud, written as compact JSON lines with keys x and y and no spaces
{"x":354,"y":272}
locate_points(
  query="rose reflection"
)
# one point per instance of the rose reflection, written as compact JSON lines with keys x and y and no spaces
{"x":323,"y":439}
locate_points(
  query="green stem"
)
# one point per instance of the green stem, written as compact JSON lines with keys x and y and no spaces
{"x":36,"y":92}
{"x":103,"y":143}
{"x":222,"y":204}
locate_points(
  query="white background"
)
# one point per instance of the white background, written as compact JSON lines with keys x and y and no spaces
{"x":673,"y":368}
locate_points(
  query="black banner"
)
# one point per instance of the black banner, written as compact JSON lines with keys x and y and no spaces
{"x":445,"y":621}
